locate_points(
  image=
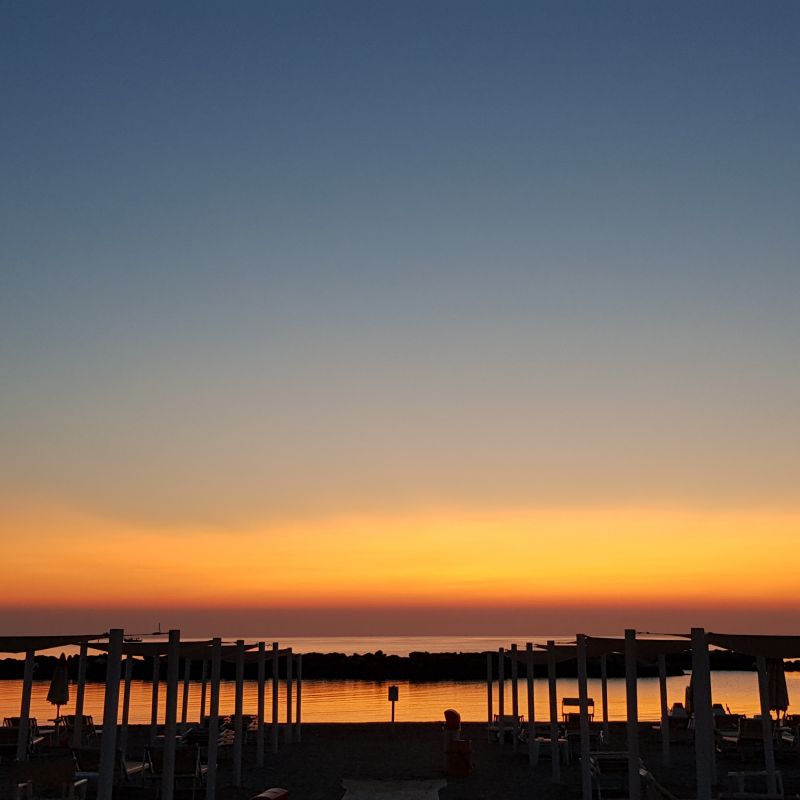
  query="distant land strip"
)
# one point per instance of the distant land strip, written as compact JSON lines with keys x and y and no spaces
{"x":418,"y":666}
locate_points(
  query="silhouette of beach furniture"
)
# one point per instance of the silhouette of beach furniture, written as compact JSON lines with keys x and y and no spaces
{"x":741,"y":786}
{"x":189,"y":770}
{"x":51,"y":776}
{"x":609,"y":773}
{"x":87,"y":762}
{"x":506,"y":726}
{"x":569,"y":716}
{"x":65,"y":728}
{"x":35,"y":738}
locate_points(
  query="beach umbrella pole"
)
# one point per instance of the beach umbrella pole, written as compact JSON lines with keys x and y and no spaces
{"x":298,"y":699}
{"x":187,"y":676}
{"x":260,"y":730}
{"x":108,"y":741}
{"x":662,"y":685}
{"x":583,"y":707}
{"x":171,"y":714}
{"x":25,"y":706}
{"x":275,"y":688}
{"x":238,"y":728}
{"x":489,"y":709}
{"x":604,"y":693}
{"x":531,"y":707}
{"x":154,"y":699}
{"x":632,"y":704}
{"x":126,"y":706}
{"x":213,"y":719}
{"x":766,"y":725}
{"x":80,"y":694}
{"x":703,"y":720}
{"x":203,"y":686}
{"x":288,"y":732}
{"x":501,"y":694}
{"x":515,"y":694}
{"x":555,"y":756}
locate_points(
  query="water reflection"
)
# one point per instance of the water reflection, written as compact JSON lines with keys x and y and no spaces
{"x":366,"y":701}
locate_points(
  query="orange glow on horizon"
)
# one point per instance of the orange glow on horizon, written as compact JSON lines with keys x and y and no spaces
{"x":613,"y":557}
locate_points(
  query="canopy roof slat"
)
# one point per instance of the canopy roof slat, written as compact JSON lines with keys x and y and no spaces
{"x":22,"y":644}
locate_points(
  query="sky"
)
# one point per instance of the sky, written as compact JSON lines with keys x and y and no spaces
{"x":420,"y":317}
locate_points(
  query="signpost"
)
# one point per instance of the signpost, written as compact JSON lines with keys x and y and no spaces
{"x":394,"y":696}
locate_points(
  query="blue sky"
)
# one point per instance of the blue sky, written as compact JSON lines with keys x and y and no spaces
{"x":312,"y":258}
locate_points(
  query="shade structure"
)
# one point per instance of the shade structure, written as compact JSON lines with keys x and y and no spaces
{"x":776,"y":685}
{"x":757,"y":645}
{"x":58,"y":693}
{"x":24,"y":644}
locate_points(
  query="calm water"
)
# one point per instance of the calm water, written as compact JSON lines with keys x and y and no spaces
{"x":365,"y":701}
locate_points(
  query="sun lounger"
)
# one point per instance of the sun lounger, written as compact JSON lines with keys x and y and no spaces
{"x":50,"y":776}
{"x":505,"y":725}
{"x":751,"y":786}
{"x":188,"y":769}
{"x":610,"y":773}
{"x":572,"y":705}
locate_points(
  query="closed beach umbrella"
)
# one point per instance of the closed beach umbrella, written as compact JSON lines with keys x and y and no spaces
{"x":58,"y":693}
{"x":776,"y":686}
{"x":688,"y":698}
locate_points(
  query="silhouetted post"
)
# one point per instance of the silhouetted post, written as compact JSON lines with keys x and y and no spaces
{"x":583,"y":707}
{"x":766,"y":725}
{"x":662,"y":686}
{"x":108,"y":741}
{"x":154,"y":699}
{"x":501,"y":694}
{"x":187,"y":676}
{"x":288,"y":732}
{"x":604,"y":692}
{"x":238,"y":727}
{"x":703,"y":720}
{"x":515,"y":694}
{"x":203,"y":681}
{"x":260,"y":728}
{"x":171,"y":714}
{"x":213,"y":719}
{"x":298,"y":698}
{"x":632,"y":702}
{"x":490,"y":710}
{"x":531,"y":707}
{"x":25,"y":706}
{"x":126,"y":705}
{"x":553,"y":691}
{"x":77,"y":732}
{"x":275,"y":687}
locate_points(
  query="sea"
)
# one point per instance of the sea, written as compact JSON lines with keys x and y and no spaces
{"x":367,"y":701}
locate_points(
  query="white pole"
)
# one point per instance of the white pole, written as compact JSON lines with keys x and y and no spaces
{"x":515,"y":694}
{"x":632,"y":703}
{"x":490,"y":710}
{"x":126,"y":706}
{"x":154,"y":699}
{"x":77,"y":731}
{"x":171,"y":714}
{"x":531,"y":706}
{"x":604,"y":693}
{"x":501,"y":694}
{"x":703,"y":720}
{"x":275,"y":687}
{"x":298,"y":698}
{"x":187,"y":676}
{"x":238,"y":727}
{"x":583,"y":707}
{"x":108,"y":741}
{"x":553,"y":691}
{"x":25,"y":707}
{"x":203,"y":682}
{"x":213,"y":719}
{"x":662,"y":685}
{"x":260,"y":729}
{"x":288,"y":732}
{"x":766,"y":725}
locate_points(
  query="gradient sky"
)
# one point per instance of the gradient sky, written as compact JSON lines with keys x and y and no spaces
{"x":399,"y":317}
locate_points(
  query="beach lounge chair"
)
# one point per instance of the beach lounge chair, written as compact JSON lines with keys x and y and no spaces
{"x":678,"y":711}
{"x":506,"y":726}
{"x":572,"y":705}
{"x":189,"y":771}
{"x":53,"y":776}
{"x":87,"y":762}
{"x":610,"y":774}
{"x":65,"y":727}
{"x":751,"y":786}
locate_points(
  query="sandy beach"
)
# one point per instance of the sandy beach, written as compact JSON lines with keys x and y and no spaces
{"x":330,"y":753}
